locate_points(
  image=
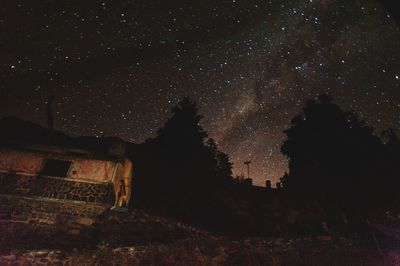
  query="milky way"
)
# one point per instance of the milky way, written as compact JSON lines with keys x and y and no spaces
{"x":117,"y":68}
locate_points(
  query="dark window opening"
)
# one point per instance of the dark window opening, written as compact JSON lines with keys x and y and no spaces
{"x":54,"y":167}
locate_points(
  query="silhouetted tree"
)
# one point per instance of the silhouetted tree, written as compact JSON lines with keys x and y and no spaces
{"x":185,"y":170}
{"x":392,"y":168}
{"x":334,"y":157}
{"x":223,"y":166}
{"x":185,"y":157}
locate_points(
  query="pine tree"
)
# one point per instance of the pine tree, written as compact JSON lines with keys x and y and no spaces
{"x":333,"y":155}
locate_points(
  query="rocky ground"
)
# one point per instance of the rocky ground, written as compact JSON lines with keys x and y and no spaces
{"x":138,"y":238}
{"x":214,"y":251}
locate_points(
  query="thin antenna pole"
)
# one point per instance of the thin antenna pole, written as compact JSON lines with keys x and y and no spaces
{"x":49,"y":109}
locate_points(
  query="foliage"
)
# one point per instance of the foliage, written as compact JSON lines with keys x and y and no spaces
{"x":335,"y":158}
{"x":184,"y":171}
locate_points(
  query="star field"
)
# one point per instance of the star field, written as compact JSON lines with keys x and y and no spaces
{"x":118,"y":67}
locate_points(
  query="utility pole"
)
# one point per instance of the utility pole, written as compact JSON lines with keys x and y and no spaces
{"x":49,"y":111}
{"x":248,"y":168}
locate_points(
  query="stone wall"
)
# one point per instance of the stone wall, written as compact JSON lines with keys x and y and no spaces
{"x":42,"y":210}
{"x":57,"y":188}
{"x":38,"y":221}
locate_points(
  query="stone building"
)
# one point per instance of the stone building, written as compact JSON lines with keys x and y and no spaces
{"x":38,"y":171}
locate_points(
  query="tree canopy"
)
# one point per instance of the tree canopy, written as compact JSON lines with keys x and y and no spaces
{"x":335,"y":157}
{"x":184,"y":169}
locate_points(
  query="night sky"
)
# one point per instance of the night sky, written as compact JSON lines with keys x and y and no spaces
{"x":118,"y":67}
